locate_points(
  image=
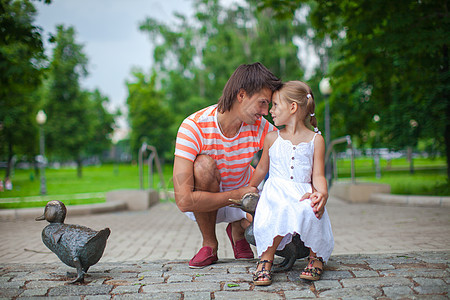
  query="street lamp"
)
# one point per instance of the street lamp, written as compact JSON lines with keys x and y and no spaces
{"x":41,"y":118}
{"x":325,"y":90}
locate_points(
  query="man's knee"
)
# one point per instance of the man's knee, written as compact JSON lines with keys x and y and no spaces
{"x":206,"y":174}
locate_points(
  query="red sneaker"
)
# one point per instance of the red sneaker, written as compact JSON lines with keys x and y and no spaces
{"x":203,"y":258}
{"x":242,"y":248}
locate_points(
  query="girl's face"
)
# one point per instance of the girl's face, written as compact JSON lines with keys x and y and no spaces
{"x":280,"y":110}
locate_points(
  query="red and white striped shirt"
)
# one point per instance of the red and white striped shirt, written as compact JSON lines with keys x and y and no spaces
{"x":200,"y":134}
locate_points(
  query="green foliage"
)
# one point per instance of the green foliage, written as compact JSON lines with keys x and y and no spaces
{"x":21,"y":57}
{"x":193,"y":60}
{"x":78,"y":123}
{"x":392,"y":61}
{"x":102,"y":123}
{"x":150,"y":117}
{"x":386,"y":58}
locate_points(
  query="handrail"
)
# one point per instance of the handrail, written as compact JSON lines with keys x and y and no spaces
{"x":152,"y":156}
{"x":334,"y":142}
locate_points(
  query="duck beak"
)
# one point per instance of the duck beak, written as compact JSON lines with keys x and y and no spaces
{"x":236,"y":203}
{"x":41,"y":218}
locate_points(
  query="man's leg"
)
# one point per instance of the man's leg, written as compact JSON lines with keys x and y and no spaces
{"x":207,"y":178}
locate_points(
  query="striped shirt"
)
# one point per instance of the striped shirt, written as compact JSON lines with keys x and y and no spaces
{"x":200,"y":134}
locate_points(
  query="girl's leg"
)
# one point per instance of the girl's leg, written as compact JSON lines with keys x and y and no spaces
{"x":268,"y":255}
{"x":314,"y":269}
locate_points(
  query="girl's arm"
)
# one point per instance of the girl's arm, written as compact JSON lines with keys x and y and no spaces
{"x":263,"y":165}
{"x":320,"y":196}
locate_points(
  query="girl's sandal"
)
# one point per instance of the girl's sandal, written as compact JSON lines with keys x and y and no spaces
{"x":314,"y":272}
{"x":263,"y":274}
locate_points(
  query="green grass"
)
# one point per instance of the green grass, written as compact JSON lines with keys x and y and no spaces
{"x":64,"y":181}
{"x":42,"y":203}
{"x":429,"y":177}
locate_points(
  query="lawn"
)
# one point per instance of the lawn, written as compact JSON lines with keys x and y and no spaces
{"x":91,"y":188}
{"x":429,"y":178}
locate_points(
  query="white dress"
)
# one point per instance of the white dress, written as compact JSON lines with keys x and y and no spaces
{"x":279,"y":211}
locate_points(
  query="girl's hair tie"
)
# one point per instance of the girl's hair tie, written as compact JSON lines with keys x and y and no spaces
{"x":312,"y":115}
{"x":308,"y":96}
{"x":317,"y":130}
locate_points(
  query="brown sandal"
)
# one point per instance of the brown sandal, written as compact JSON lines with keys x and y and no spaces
{"x":263,"y":274}
{"x":315,"y":272}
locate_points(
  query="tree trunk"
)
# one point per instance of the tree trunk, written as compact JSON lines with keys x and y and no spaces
{"x":446,"y":98}
{"x":410,"y":159}
{"x":79,"y":167}
{"x":10,"y":158}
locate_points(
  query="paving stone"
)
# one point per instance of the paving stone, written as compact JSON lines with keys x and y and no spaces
{"x":197,"y":296}
{"x":34,"y":292}
{"x":10,"y":292}
{"x":222,"y":295}
{"x":322,"y":285}
{"x":236,"y":286}
{"x":375,"y":281}
{"x":222,"y":277}
{"x":299,"y":294}
{"x":13,"y":284}
{"x":151,"y":296}
{"x":182,"y":287}
{"x":336,"y":275}
{"x":396,"y":292}
{"x":147,"y":280}
{"x":357,"y":292}
{"x":237,"y":269}
{"x":381,"y":266}
{"x":97,"y":297}
{"x":154,"y":273}
{"x":44,"y":284}
{"x":416,"y":273}
{"x":78,"y":290}
{"x":179,"y":278}
{"x":431,"y":286}
{"x":126,"y":289}
{"x":59,"y":298}
{"x":365,"y":273}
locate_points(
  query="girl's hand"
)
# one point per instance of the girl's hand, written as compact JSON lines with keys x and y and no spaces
{"x":318,"y":201}
{"x":247,"y":189}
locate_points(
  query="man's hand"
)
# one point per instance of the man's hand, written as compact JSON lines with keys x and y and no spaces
{"x":318,"y":201}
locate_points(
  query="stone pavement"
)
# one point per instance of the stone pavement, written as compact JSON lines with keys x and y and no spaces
{"x":381,"y":252}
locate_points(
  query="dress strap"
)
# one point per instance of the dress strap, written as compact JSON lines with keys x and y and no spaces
{"x":314,"y":137}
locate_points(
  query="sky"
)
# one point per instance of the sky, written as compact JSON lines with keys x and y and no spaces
{"x":112,"y":42}
{"x":109,"y":33}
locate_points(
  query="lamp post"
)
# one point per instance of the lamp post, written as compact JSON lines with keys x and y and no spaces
{"x":41,"y":118}
{"x":325,"y":90}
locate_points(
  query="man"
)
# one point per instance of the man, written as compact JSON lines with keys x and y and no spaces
{"x":213,"y":152}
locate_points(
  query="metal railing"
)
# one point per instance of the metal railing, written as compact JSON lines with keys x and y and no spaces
{"x":153,"y":156}
{"x":346,"y":139}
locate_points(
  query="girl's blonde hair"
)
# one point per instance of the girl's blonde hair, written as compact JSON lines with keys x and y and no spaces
{"x":301,"y":93}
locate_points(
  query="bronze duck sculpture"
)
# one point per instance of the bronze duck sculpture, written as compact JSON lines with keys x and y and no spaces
{"x":77,"y":246}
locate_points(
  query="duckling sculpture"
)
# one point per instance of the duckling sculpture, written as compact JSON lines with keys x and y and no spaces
{"x":291,"y":252}
{"x":77,"y":246}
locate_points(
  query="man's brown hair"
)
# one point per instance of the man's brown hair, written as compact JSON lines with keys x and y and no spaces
{"x":251,"y":78}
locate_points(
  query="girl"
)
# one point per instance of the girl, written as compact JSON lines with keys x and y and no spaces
{"x":295,"y":155}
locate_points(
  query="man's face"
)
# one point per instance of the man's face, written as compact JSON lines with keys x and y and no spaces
{"x":256,"y":106}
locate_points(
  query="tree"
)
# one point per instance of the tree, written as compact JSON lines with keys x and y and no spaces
{"x":69,"y":127}
{"x":21,"y":58}
{"x":194,"y":60}
{"x":390,"y":59}
{"x":102,"y":123}
{"x":150,"y":117}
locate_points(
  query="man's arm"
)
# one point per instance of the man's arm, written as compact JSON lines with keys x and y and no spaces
{"x":188,"y":198}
